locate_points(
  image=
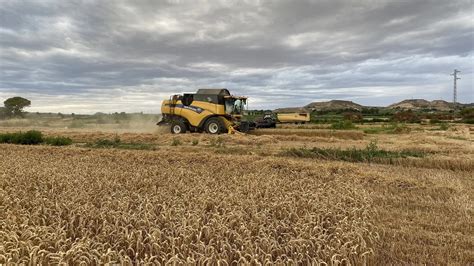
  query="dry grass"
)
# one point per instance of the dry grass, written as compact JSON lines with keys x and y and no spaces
{"x":121,"y":206}
{"x":232,"y":199}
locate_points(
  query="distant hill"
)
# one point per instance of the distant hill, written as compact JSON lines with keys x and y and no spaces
{"x":416,"y":104}
{"x":411,"y":104}
{"x":333,"y":105}
{"x":322,"y":106}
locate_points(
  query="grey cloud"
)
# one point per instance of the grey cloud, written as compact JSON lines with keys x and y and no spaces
{"x":272,"y":51}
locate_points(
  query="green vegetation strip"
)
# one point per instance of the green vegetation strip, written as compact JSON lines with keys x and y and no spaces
{"x":343,"y":124}
{"x":388,"y":129}
{"x":33,"y":137}
{"x":118,"y":144}
{"x":370,"y":154}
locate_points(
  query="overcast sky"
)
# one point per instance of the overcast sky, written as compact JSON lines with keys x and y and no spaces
{"x":106,"y":56}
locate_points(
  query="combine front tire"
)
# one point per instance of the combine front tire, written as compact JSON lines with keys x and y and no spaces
{"x":178,"y":127}
{"x":214,"y":126}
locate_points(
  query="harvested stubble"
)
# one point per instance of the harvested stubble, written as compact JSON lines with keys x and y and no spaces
{"x":122,"y":206}
{"x":347,"y":134}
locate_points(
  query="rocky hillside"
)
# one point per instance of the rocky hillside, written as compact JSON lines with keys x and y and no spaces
{"x":416,"y":104}
{"x":333,"y":105}
{"x":322,"y":106}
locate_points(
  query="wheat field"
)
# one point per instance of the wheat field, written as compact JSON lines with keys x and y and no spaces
{"x":200,"y":199}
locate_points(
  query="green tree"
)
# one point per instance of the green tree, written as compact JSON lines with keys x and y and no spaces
{"x":14,"y":106}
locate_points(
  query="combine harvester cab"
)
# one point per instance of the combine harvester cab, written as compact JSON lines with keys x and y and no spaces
{"x":214,"y":111}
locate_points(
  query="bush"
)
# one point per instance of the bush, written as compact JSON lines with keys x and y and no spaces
{"x":400,"y":129}
{"x":6,"y":137}
{"x":375,"y":119}
{"x":374,"y":130}
{"x":176,"y":142}
{"x":444,"y":126}
{"x":407,"y":117}
{"x":467,"y":112}
{"x":58,"y":141}
{"x":345,"y":124}
{"x":195,"y":142}
{"x":370,"y":110}
{"x":467,"y":115}
{"x":354,"y":117}
{"x":105,"y":143}
{"x":31,"y":137}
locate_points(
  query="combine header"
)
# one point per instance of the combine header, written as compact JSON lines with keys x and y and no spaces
{"x":214,"y":111}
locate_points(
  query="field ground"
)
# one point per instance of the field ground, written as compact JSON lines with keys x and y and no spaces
{"x":272,"y":196}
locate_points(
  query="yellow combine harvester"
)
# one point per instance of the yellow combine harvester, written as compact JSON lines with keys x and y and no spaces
{"x":214,"y":111}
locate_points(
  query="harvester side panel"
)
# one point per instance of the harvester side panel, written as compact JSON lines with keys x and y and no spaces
{"x":194,"y":113}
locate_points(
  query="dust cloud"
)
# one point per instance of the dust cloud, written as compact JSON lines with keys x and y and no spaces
{"x":111,"y":123}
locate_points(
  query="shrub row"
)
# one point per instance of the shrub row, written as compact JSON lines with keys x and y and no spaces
{"x":369,"y":154}
{"x":388,"y":129}
{"x":33,"y":137}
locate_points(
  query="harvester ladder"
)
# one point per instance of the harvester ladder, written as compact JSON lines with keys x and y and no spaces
{"x":173,"y":100}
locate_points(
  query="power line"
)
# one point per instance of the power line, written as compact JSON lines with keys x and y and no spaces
{"x":455,"y":93}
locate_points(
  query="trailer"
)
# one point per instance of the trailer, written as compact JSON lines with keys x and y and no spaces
{"x":297,"y":118}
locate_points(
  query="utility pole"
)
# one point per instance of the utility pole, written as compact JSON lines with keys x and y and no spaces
{"x":455,"y":95}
